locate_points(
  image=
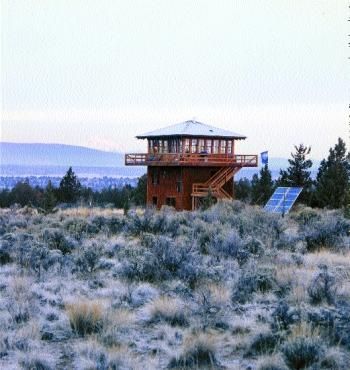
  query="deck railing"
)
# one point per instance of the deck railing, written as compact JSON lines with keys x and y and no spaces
{"x":173,"y":159}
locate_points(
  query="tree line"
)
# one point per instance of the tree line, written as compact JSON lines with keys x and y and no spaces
{"x":330,"y":188}
{"x":70,"y":191}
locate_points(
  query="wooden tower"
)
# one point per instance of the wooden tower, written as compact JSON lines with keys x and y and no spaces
{"x":187,"y":161}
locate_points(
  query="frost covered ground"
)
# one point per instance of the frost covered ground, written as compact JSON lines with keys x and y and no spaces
{"x":227,"y":288}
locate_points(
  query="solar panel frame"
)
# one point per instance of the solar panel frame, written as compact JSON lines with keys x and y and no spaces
{"x":283,"y":199}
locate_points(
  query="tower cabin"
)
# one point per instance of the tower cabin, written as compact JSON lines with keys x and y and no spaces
{"x":187,"y":161}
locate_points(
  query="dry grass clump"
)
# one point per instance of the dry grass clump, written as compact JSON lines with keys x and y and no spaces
{"x":88,"y":212}
{"x":299,"y":283}
{"x":117,"y":323}
{"x":35,"y":362}
{"x":219,"y":295}
{"x":303,"y":347}
{"x":274,"y":362}
{"x":335,"y":359}
{"x":170,"y":310}
{"x":93,"y":355}
{"x":86,"y":317}
{"x":326,"y":257}
{"x":199,"y":351}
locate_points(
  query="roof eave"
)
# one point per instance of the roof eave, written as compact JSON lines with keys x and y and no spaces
{"x":190,"y":135}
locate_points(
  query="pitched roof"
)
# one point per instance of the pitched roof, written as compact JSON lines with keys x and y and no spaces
{"x":191,"y":128}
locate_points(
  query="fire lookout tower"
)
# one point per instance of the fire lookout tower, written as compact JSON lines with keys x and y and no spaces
{"x":187,"y":161}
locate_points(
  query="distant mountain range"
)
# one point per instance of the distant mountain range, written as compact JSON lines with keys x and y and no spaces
{"x":18,"y":159}
{"x":57,"y":155}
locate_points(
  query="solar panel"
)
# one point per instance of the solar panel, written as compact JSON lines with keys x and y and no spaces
{"x":282,"y":200}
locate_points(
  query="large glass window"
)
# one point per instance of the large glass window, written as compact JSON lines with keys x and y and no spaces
{"x":223,"y":146}
{"x":229,"y":147}
{"x":165,"y":146}
{"x":208,"y":146}
{"x":155,"y":177}
{"x":179,"y":146}
{"x":215,"y":146}
{"x":155,"y":146}
{"x":194,"y":144}
{"x":179,"y":186}
{"x":201,"y":147}
{"x":187,"y":145}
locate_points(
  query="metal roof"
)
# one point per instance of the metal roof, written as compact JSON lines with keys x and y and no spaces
{"x":191,"y":128}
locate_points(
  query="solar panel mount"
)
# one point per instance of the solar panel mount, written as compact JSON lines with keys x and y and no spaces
{"x":283,"y":199}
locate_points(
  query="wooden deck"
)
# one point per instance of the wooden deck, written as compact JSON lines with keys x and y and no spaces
{"x":202,"y":160}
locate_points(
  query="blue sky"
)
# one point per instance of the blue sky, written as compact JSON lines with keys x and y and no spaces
{"x":96,"y":73}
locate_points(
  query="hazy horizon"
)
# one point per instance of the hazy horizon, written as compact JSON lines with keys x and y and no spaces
{"x":96,"y":74}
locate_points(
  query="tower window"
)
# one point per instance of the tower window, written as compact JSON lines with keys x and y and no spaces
{"x":155,"y":177}
{"x":194,"y":146}
{"x":222,"y":146}
{"x":215,"y":146}
{"x":229,"y":147}
{"x":179,"y":186}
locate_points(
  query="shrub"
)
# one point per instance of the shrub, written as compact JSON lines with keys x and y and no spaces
{"x":79,"y":227}
{"x":161,"y":258}
{"x":272,"y":363}
{"x":322,"y":287}
{"x":301,"y":352}
{"x":116,"y":224}
{"x":284,"y":316}
{"x":143,"y":294}
{"x":55,"y":239}
{"x":229,"y":244}
{"x":326,"y":232}
{"x":85,"y":317}
{"x":167,"y":309}
{"x":306,"y":216}
{"x":254,"y":279}
{"x":91,"y":355}
{"x":199,"y":352}
{"x":31,"y":362}
{"x":88,"y":258}
{"x":5,"y":256}
{"x":263,"y":343}
{"x":335,"y":359}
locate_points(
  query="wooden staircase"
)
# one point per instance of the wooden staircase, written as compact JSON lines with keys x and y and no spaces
{"x":214,"y":185}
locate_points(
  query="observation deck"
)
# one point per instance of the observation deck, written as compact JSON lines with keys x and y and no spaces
{"x":191,"y":159}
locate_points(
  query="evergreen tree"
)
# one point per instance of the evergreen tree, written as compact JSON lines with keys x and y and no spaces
{"x":298,"y":174}
{"x":23,"y":194}
{"x":332,"y":183}
{"x":262,"y":187}
{"x":139,"y":194}
{"x":69,"y":188}
{"x":49,"y":198}
{"x":208,"y":201}
{"x":242,"y":190}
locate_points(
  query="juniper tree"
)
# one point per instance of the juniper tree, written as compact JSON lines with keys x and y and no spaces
{"x":298,"y":174}
{"x":69,"y":188}
{"x":262,"y":187}
{"x":49,"y":198}
{"x":333,"y":178}
{"x":242,"y":189}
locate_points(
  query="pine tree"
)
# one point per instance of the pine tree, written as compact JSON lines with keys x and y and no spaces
{"x":49,"y":199}
{"x":139,"y":193}
{"x":69,"y":188}
{"x":243,"y":189}
{"x":333,"y":177}
{"x":298,"y":174}
{"x":262,"y":187}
